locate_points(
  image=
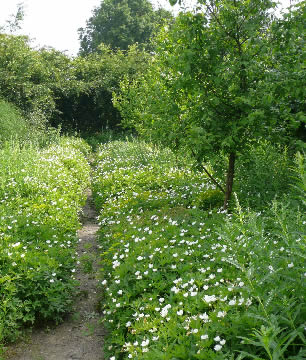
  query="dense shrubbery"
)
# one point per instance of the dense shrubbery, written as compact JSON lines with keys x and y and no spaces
{"x":185,"y":283}
{"x":41,"y":193}
{"x":12,"y":125}
{"x":76,"y":94}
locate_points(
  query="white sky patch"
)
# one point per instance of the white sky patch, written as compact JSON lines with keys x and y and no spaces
{"x":55,"y":23}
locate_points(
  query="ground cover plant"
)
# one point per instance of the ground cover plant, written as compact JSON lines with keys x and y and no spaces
{"x":183,"y":279}
{"x":41,"y":194}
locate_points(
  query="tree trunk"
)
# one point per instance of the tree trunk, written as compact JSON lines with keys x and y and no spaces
{"x":229,"y":179}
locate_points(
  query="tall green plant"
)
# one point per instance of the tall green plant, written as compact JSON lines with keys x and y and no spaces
{"x":206,"y":88}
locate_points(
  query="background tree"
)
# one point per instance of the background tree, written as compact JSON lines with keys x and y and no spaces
{"x":121,"y":23}
{"x":14,"y":22}
{"x":23,"y":76}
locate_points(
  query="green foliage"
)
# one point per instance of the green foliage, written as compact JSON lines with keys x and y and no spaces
{"x":12,"y":125}
{"x":23,"y":77}
{"x":120,"y":24}
{"x":213,"y":85}
{"x":299,"y":177}
{"x":181,"y":282}
{"x":83,"y":87}
{"x":212,"y":198}
{"x":286,"y":95}
{"x":263,"y":172}
{"x":74,"y":94}
{"x":41,"y":192}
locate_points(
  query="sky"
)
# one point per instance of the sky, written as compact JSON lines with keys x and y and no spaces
{"x":55,"y":23}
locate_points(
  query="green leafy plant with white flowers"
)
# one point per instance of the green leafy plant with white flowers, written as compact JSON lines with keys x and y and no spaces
{"x":41,"y":194}
{"x":183,"y":281}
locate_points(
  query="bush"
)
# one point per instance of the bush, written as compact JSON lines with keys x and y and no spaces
{"x":12,"y":124}
{"x":263,"y":173}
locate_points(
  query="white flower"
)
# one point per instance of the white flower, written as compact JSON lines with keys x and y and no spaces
{"x":204,"y":337}
{"x":217,"y":338}
{"x":208,"y":298}
{"x":145,"y":343}
{"x":221,"y":314}
{"x":116,"y":263}
{"x":290,"y":265}
{"x":180,"y":312}
{"x":204,"y":317}
{"x":218,"y":347}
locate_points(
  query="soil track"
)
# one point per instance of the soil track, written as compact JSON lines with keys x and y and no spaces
{"x":80,"y":337}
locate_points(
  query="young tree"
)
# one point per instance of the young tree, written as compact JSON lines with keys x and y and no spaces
{"x":211,"y":71}
{"x":121,"y":23}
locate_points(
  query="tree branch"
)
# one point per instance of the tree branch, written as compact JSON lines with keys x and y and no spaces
{"x":209,"y":175}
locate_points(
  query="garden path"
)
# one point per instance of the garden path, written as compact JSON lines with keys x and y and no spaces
{"x":80,"y":336}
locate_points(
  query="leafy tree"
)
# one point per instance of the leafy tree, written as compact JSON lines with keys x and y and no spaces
{"x":121,"y":23}
{"x":23,"y":77}
{"x":207,"y":86}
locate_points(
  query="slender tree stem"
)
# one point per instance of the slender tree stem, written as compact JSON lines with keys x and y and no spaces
{"x":209,"y":175}
{"x":213,"y":179}
{"x":229,"y":179}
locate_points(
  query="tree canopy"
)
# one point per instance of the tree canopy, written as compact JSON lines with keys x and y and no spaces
{"x":121,"y":23}
{"x":211,"y":86}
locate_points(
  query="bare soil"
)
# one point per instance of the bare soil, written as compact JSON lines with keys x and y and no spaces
{"x":80,"y":336}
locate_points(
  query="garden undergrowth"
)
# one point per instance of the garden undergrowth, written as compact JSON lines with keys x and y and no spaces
{"x":41,"y":195}
{"x":183,"y":279}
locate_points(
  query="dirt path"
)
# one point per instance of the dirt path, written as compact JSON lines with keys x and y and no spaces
{"x":80,"y":337}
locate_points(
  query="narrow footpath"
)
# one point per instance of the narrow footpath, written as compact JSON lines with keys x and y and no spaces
{"x":80,"y":336}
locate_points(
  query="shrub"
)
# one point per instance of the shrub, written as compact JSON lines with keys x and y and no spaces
{"x":12,"y":125}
